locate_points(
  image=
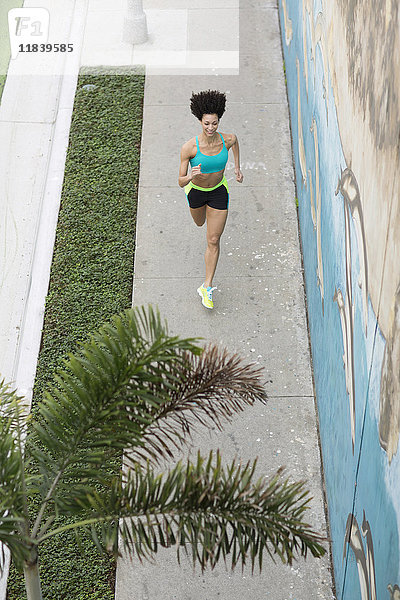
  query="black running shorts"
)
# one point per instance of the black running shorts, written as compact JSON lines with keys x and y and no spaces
{"x":216,"y":197}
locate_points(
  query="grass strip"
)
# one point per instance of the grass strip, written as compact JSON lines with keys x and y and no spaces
{"x":91,"y":279}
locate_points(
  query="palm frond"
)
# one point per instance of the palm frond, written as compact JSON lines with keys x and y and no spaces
{"x":201,"y":390}
{"x":13,"y":481}
{"x":89,"y":397}
{"x":205,"y":509}
{"x":133,"y":388}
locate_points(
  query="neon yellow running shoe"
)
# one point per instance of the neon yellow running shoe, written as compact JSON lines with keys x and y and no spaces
{"x":206,"y":295}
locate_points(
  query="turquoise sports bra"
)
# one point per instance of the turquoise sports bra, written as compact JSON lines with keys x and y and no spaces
{"x":210,"y":164}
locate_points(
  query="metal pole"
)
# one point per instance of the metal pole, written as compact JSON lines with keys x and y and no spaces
{"x":135,"y":23}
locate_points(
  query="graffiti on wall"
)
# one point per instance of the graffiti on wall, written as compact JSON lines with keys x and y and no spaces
{"x":350,"y":191}
{"x":347,"y":155}
{"x":320,"y":267}
{"x":288,"y":24}
{"x":365,"y":559}
{"x":367,"y":59}
{"x":348,"y":187}
{"x":394,"y":592}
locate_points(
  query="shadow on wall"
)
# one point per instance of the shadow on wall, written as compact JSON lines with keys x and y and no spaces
{"x":373,"y":67}
{"x":389,"y":408}
{"x":376,"y":93}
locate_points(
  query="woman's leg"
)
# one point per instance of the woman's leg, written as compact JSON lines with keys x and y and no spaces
{"x":216,"y":220}
{"x":199,"y":215}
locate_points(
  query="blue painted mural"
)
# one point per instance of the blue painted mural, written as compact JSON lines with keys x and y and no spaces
{"x":353,"y":296}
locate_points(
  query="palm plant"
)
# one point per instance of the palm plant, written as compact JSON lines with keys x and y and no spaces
{"x":134,"y":394}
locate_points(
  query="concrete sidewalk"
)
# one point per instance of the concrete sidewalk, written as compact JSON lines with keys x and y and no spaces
{"x":35,"y":118}
{"x":259,"y":305}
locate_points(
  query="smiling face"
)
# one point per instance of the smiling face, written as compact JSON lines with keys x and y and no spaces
{"x":209,"y":124}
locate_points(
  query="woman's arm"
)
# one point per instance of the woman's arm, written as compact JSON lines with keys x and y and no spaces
{"x":184,"y":178}
{"x":235,"y":150}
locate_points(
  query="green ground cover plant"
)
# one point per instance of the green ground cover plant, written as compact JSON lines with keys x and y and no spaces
{"x":91,"y":279}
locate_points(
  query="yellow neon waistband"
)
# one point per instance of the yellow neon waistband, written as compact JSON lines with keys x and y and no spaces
{"x":197,"y":187}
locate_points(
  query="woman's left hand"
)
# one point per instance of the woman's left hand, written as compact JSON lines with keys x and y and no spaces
{"x":239,"y":175}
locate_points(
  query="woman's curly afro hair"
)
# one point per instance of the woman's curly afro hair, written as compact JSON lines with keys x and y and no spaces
{"x":208,"y":103}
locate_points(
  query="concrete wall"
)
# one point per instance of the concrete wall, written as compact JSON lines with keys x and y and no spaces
{"x":343,"y":76}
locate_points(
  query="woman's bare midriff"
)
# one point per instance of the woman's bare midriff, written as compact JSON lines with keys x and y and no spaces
{"x":208,"y":180}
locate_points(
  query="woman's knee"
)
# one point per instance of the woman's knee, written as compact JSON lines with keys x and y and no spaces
{"x":213,"y":239}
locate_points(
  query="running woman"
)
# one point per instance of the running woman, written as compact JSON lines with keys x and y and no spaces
{"x":205,"y":186}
